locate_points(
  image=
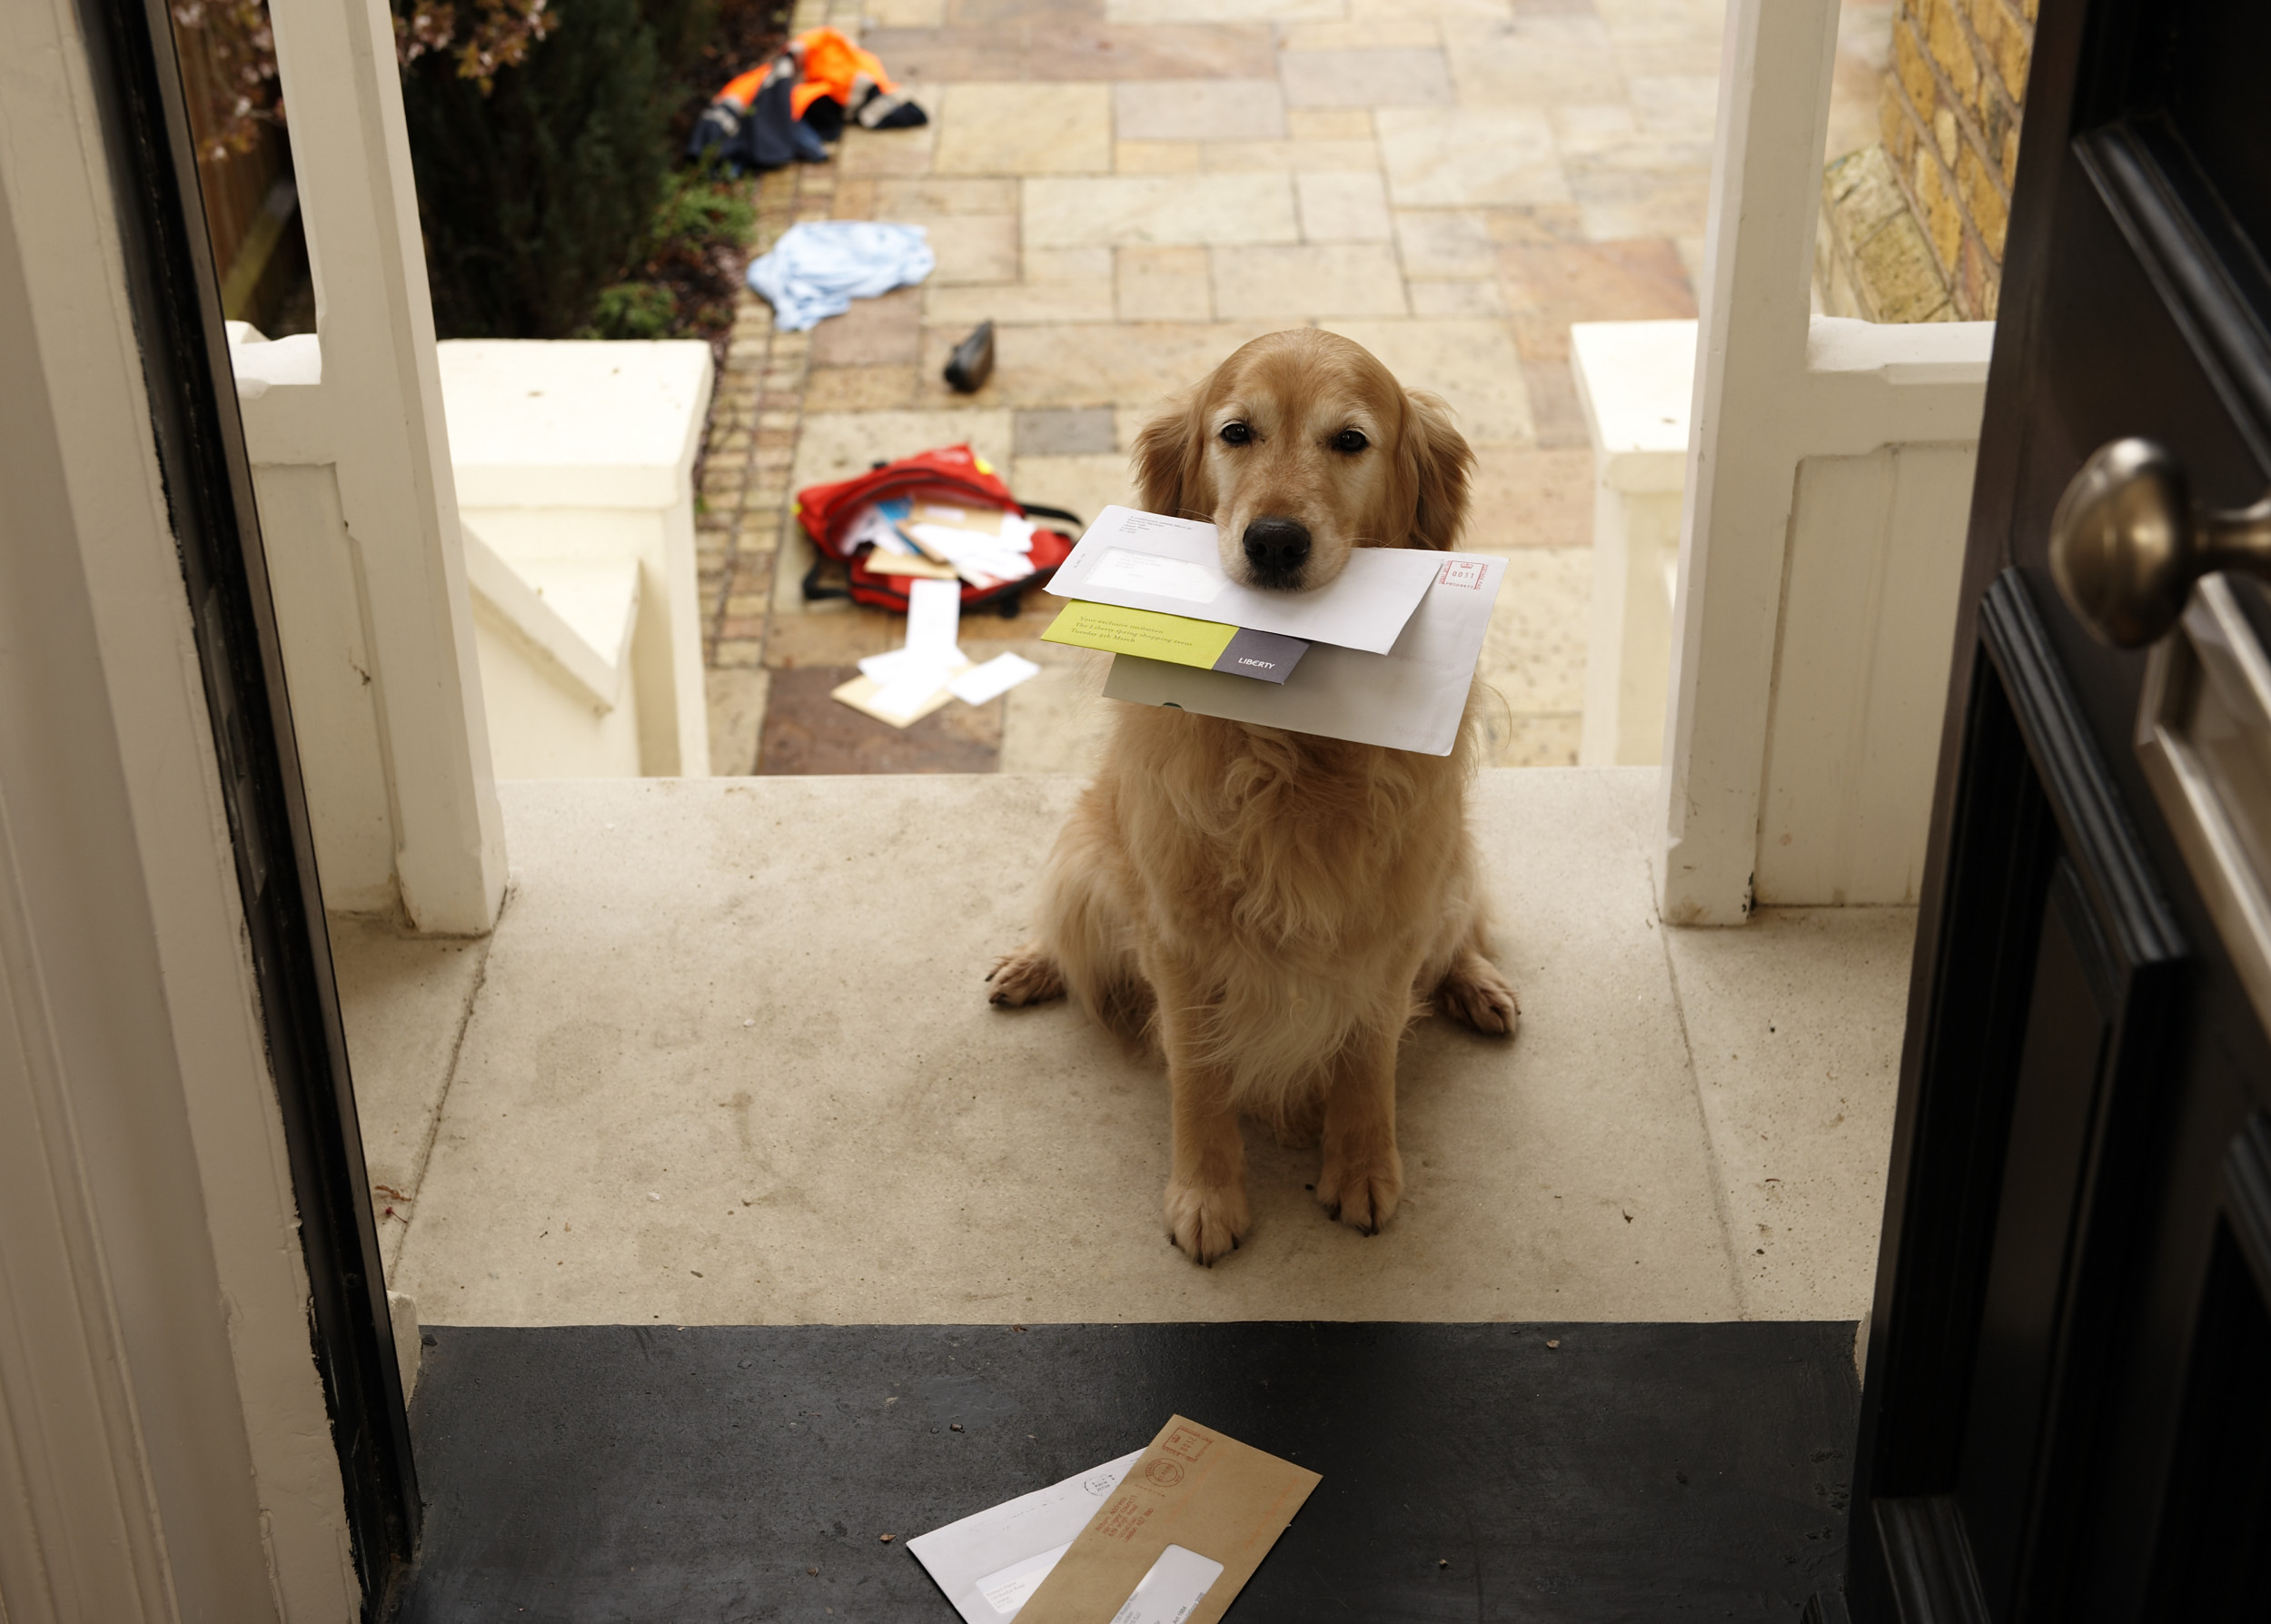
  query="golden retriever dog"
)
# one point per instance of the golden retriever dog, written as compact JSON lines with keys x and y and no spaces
{"x":1275,"y":908}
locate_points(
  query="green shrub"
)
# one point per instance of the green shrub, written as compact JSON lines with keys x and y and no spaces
{"x":697,"y":212}
{"x":539,"y":194}
{"x":635,"y":310}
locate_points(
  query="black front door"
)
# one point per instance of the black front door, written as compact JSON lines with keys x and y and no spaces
{"x":2066,"y":1413}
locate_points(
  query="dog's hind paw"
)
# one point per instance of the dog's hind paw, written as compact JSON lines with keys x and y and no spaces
{"x":1206,"y":1222}
{"x":1477,"y":995}
{"x":1025,"y":976}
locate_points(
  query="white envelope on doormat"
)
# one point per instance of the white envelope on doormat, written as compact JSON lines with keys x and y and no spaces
{"x":989,"y":1562}
{"x":1172,"y":566}
{"x":1409,"y":698}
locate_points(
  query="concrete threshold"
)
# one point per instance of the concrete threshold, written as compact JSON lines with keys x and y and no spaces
{"x":728,"y":1059}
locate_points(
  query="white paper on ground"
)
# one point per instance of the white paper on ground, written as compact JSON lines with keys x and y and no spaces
{"x":1365,"y":607}
{"x":896,"y":663}
{"x":996,"y":676}
{"x":1176,"y":1583}
{"x":903,"y":698}
{"x":933,"y":621}
{"x":1409,"y":698}
{"x":999,"y":1549}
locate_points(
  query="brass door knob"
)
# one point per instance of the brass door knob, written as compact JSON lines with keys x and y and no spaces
{"x":2126,"y":542}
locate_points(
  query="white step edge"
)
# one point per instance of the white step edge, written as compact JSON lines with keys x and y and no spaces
{"x":572,"y":616}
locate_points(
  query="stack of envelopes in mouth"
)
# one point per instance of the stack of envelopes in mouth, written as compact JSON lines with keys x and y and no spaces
{"x":1382,"y":655}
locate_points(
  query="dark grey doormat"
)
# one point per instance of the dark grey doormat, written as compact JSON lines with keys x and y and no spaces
{"x":1470,"y":1472}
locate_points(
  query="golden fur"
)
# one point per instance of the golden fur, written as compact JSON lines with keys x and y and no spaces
{"x":1275,"y":908}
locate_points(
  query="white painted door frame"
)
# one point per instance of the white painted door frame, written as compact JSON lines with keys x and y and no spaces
{"x":164,"y":1448}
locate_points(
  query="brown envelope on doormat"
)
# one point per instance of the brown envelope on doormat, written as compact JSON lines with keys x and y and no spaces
{"x":1194,"y":1488}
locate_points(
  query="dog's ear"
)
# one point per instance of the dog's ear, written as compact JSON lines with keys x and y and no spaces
{"x":1168,"y":461}
{"x":1438,"y":464}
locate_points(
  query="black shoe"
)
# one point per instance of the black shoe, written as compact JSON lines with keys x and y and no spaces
{"x":972,"y":363}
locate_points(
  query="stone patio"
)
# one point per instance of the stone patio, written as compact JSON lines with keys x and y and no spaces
{"x":1131,"y":189}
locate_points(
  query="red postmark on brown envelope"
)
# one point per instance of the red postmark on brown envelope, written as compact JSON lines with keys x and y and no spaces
{"x":1187,"y":1442}
{"x":1462,"y":572}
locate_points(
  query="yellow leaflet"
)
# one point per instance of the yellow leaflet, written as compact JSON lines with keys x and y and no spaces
{"x":1153,"y":636}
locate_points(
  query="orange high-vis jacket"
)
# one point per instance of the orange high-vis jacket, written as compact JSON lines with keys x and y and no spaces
{"x":831,"y":65}
{"x":742,"y":88}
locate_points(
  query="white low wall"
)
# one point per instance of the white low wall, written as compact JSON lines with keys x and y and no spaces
{"x":572,"y":529}
{"x":1826,"y":494}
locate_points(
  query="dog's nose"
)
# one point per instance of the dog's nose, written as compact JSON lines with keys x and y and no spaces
{"x":1276,"y":546}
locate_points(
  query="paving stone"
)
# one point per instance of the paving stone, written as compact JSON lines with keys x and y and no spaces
{"x":1083,"y":484}
{"x":1545,"y":222}
{"x":971,"y":248}
{"x":886,"y":152}
{"x":859,"y":388}
{"x":807,"y":732}
{"x":1116,"y":210}
{"x":736,"y":717}
{"x":926,"y":196}
{"x":1538,"y":62}
{"x":1063,"y":431}
{"x":1022,"y":129}
{"x":1329,"y":124}
{"x":1164,"y":284}
{"x":1121,"y":363}
{"x":1446,"y":242}
{"x":874,"y":332}
{"x":1530,"y":498}
{"x":1380,"y":78}
{"x":1075,"y":49}
{"x":1198,"y":110}
{"x":1069,"y":264}
{"x":1055,"y":722}
{"x":1156,"y":157}
{"x":966,"y":307}
{"x":1424,"y":11}
{"x":1297,"y":157}
{"x":1617,"y":202}
{"x":836,"y":445}
{"x":1455,"y":300}
{"x":1472,"y":364}
{"x":1343,"y":208}
{"x":1534,"y":653}
{"x":905,"y":14}
{"x":1681,"y":104}
{"x":1555,"y":411}
{"x":1539,"y":741}
{"x":1548,"y":285}
{"x":995,"y":14}
{"x":1685,"y":51}
{"x":1220,"y":10}
{"x":1307,"y":280}
{"x":1459,"y":157}
{"x":1375,"y":33}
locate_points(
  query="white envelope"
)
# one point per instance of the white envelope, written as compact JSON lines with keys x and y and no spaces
{"x":1409,"y":698}
{"x":989,"y":1562}
{"x":1171,"y":565}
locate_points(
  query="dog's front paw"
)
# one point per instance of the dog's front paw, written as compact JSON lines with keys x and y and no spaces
{"x":1206,"y":1221}
{"x":1025,"y":976}
{"x":1361,"y":1190}
{"x":1477,"y":995}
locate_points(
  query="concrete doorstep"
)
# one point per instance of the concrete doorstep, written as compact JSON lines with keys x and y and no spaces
{"x":728,"y":1059}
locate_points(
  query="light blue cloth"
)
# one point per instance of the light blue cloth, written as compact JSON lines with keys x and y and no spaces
{"x":818,"y":267}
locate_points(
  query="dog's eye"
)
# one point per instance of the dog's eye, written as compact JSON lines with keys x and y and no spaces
{"x":1349,"y":442}
{"x":1235,"y":434}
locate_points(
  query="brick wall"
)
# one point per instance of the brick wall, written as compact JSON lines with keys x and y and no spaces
{"x":1951,"y":121}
